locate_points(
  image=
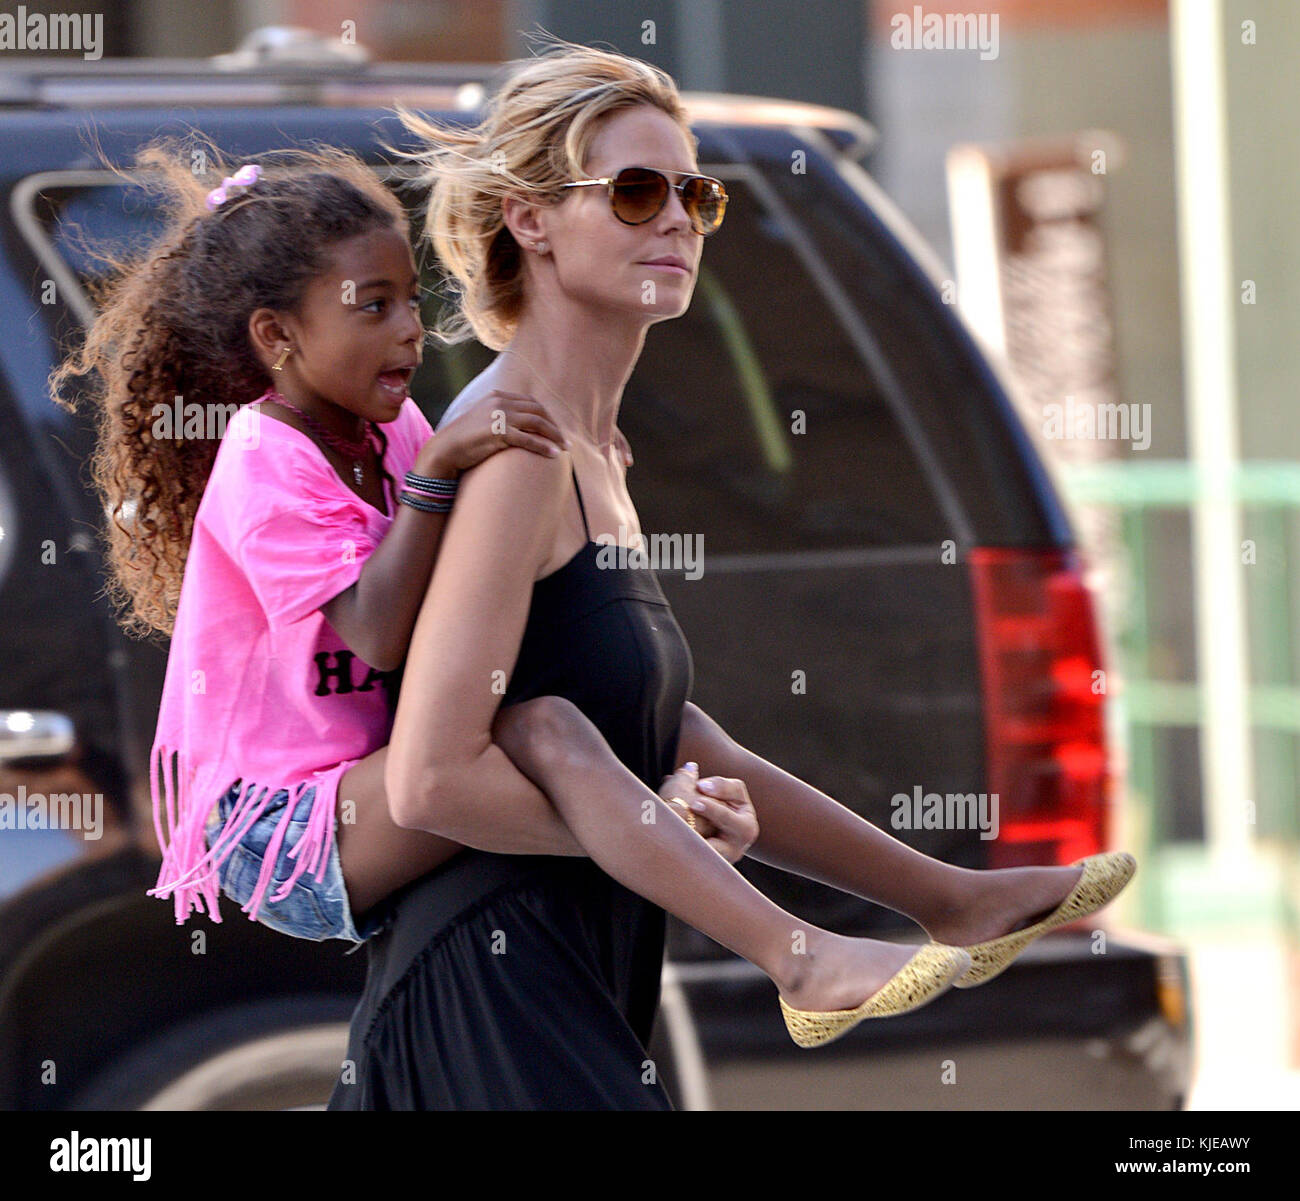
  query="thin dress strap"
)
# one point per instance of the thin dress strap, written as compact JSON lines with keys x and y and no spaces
{"x":581,"y":507}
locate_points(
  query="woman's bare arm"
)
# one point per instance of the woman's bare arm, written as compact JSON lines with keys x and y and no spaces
{"x":444,"y":773}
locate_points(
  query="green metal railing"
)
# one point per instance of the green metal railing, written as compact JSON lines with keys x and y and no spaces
{"x":1269,"y":493}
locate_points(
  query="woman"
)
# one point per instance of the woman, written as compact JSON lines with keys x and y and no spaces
{"x":531,"y":980}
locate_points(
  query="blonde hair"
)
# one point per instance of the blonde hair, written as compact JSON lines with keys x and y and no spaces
{"x":534,"y":137}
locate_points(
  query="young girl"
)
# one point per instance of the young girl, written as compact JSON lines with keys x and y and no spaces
{"x":292,"y":298}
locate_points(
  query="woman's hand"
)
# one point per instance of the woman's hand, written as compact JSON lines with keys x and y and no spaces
{"x":490,"y":424}
{"x":623,"y":447}
{"x":727,"y":821}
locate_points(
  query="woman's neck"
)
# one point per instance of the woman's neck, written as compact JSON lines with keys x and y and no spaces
{"x":577,"y":375}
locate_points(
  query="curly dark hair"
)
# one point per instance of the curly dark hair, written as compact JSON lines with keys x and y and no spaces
{"x":173,"y":321}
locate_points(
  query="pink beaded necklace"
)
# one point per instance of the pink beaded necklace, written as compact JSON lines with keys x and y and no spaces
{"x":356,"y":451}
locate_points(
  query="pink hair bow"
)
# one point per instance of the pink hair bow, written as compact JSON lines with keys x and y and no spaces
{"x":232,"y":185}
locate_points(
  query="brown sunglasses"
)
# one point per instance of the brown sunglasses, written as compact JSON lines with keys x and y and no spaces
{"x":636,"y":194}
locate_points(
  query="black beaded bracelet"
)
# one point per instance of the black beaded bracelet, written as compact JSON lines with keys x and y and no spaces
{"x":429,"y":486}
{"x":424,"y":503}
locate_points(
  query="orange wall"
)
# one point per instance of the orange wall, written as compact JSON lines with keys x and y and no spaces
{"x":449,"y":31}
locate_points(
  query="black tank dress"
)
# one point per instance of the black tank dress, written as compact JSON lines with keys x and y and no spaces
{"x":532,"y":981}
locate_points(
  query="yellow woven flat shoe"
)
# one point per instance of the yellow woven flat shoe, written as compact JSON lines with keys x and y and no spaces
{"x":922,"y":978}
{"x":1104,"y":877}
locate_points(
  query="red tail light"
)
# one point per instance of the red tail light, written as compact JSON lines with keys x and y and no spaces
{"x":1046,"y":744}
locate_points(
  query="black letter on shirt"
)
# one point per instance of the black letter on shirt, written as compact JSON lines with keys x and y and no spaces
{"x":342,"y":672}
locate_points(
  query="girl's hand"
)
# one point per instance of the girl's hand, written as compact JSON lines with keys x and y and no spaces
{"x":490,"y":424}
{"x":727,"y":822}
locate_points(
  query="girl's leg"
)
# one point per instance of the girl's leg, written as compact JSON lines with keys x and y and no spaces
{"x":635,"y":837}
{"x":805,"y":831}
{"x":377,"y":855}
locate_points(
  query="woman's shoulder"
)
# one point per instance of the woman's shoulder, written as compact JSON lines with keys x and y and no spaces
{"x":462,"y":401}
{"x":520,"y":475}
{"x":514,"y":475}
{"x":491,"y":379}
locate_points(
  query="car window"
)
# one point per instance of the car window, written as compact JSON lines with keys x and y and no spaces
{"x":754,"y":419}
{"x":974,"y":448}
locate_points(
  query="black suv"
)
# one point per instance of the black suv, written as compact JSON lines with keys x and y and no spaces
{"x":891,"y":606}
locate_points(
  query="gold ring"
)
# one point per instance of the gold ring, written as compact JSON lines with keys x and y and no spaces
{"x":686,"y":809}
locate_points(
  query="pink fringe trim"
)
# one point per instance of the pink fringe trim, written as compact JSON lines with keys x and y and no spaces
{"x":190,"y":870}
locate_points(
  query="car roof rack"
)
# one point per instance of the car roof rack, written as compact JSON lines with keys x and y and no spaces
{"x":285,"y":66}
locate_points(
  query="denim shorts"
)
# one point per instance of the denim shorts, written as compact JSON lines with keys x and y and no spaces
{"x":314,"y":909}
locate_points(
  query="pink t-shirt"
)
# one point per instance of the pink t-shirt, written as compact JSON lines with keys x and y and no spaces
{"x":259,"y":687}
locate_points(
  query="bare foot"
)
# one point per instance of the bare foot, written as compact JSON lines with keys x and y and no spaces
{"x":840,"y":973}
{"x":1003,"y":900}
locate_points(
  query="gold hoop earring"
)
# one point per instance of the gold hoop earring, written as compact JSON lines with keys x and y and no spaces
{"x":278,"y":365}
